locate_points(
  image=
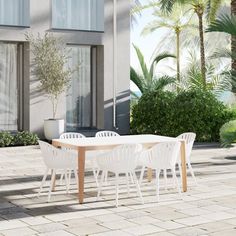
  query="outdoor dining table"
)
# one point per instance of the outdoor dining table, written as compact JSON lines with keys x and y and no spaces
{"x":93,"y":143}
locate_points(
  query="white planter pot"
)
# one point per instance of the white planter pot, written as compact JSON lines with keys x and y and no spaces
{"x":53,"y":128}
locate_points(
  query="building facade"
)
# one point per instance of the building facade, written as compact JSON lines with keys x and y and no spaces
{"x":97,"y":32}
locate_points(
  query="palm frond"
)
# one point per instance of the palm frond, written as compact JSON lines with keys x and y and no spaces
{"x":213,"y":7}
{"x":225,"y":23}
{"x":158,"y":58}
{"x":162,"y":82}
{"x":142,"y":63}
{"x":137,"y":79}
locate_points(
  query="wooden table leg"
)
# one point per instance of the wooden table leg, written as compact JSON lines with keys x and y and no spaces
{"x":149,"y":174}
{"x":81,"y":164}
{"x":183,"y":165}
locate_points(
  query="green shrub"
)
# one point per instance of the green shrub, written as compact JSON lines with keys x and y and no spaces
{"x":25,"y":138}
{"x":228,"y":133}
{"x":167,"y":114}
{"x":152,"y":113}
{"x":5,"y":139}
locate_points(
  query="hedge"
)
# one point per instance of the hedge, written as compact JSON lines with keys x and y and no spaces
{"x":165,"y":113}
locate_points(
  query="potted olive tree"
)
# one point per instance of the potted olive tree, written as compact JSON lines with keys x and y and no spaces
{"x":50,"y":66}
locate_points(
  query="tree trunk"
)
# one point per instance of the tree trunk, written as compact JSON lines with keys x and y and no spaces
{"x":233,"y":38}
{"x":202,"y":47}
{"x":178,"y":54}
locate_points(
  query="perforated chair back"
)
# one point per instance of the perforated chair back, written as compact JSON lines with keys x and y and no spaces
{"x":71,"y":135}
{"x":106,"y":133}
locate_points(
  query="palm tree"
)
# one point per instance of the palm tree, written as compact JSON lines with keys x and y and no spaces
{"x":177,"y":22}
{"x":198,"y":7}
{"x":147,"y":80}
{"x":214,"y":6}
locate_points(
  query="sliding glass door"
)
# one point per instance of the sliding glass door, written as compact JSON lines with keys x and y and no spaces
{"x":8,"y":87}
{"x":80,"y":108}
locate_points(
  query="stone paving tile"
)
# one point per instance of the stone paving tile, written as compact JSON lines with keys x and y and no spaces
{"x":142,"y":220}
{"x":194,"y":211}
{"x":161,"y":234}
{"x":219,"y":216}
{"x":108,"y":218}
{"x":87,"y":229}
{"x":56,"y":233}
{"x":225,"y":233}
{"x":121,"y":224}
{"x":19,"y":231}
{"x":4,"y":225}
{"x":168,"y":225}
{"x":64,"y":216}
{"x":194,"y":220}
{"x":78,"y":222}
{"x":48,"y":227}
{"x":113,"y":233}
{"x":215,"y":226}
{"x":189,"y":231}
{"x":143,"y":229}
{"x":37,"y":220}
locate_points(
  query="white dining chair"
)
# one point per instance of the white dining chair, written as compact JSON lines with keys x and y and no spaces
{"x":189,"y":140}
{"x":106,"y":134}
{"x":56,"y":160}
{"x":71,"y":135}
{"x":161,"y":157}
{"x":121,"y":160}
{"x":90,"y":158}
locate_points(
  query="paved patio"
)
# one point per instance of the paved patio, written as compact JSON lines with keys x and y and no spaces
{"x":206,"y":209}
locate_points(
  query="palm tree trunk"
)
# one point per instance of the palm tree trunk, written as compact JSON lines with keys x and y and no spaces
{"x":202,"y":47}
{"x":233,"y":38}
{"x":178,"y":54}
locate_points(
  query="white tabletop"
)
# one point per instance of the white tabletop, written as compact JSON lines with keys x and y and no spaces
{"x":92,"y":142}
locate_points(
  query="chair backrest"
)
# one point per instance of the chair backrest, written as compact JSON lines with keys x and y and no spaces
{"x":106,"y":133}
{"x":71,"y":135}
{"x":56,"y":158}
{"x":162,"y":155}
{"x":121,"y":159}
{"x":189,"y":140}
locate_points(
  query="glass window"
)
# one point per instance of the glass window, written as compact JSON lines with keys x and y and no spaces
{"x":80,"y":112}
{"x":14,"y":12}
{"x":78,"y":14}
{"x":8,"y":86}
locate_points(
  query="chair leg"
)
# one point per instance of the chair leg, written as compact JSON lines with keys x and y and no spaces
{"x":158,"y":184}
{"x":192,"y":173}
{"x":131,"y":178}
{"x":165,"y":177}
{"x":61,"y":178}
{"x":117,"y":189}
{"x":43,"y":181}
{"x":177,"y":182}
{"x":51,"y":184}
{"x":69,"y":180}
{"x":67,"y":183}
{"x":106,"y":176}
{"x":180,"y":170}
{"x":76,"y":176}
{"x":100,"y":185}
{"x":95,"y":174}
{"x":141,"y":175}
{"x":127,"y":182}
{"x":138,"y":187}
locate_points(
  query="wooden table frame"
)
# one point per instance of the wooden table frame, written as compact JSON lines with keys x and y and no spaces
{"x":81,"y":161}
